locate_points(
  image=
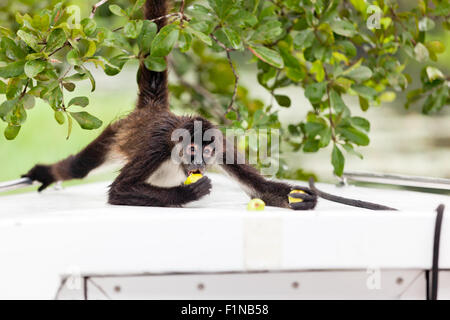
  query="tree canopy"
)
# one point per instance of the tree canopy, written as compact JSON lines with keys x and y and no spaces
{"x":329,"y":48}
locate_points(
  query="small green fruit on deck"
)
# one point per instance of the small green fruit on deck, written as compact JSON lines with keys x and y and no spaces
{"x":193,"y":178}
{"x":256,"y":205}
{"x":294,"y":200}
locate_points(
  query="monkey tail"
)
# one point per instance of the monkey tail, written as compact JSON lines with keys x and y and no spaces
{"x":346,"y":201}
{"x":153,"y":91}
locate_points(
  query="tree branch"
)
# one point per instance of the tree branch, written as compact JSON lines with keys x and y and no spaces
{"x":96,"y":6}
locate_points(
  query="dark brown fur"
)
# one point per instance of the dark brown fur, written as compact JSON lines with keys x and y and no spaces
{"x":144,"y":140}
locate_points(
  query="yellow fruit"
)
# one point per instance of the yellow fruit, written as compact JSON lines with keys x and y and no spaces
{"x":256,"y":205}
{"x":294,"y":200}
{"x":193,"y":178}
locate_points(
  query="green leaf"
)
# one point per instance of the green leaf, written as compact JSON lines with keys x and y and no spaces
{"x":34,"y":67}
{"x":338,"y":104}
{"x":426,"y":24}
{"x":304,"y":39}
{"x":59,"y":117}
{"x":343,"y":28}
{"x":11,"y":132}
{"x":6,"y":107}
{"x":2,"y":87}
{"x":86,"y":120}
{"x":79,"y":101}
{"x":165,"y":40}
{"x":267,"y":55}
{"x":12,"y":50}
{"x":361,"y":73}
{"x":363,"y":103}
{"x":421,"y":52}
{"x":315,"y":92}
{"x":199,"y":35}
{"x":56,"y":39}
{"x":29,"y":39}
{"x":157,"y":64}
{"x":354,"y":135}
{"x":318,"y":70}
{"x":184,"y":41}
{"x":132,"y":29}
{"x":361,"y":123}
{"x":146,"y":36}
{"x":283,"y":100}
{"x":69,"y":86}
{"x":73,"y":57}
{"x":233,"y":37}
{"x":28,"y":101}
{"x":434,"y":73}
{"x":117,"y":10}
{"x":12,"y":70}
{"x":364,"y":91}
{"x":89,"y":26}
{"x":267,"y":31}
{"x":337,"y":160}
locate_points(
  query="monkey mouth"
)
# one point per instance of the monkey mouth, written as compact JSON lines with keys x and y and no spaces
{"x":196,"y":171}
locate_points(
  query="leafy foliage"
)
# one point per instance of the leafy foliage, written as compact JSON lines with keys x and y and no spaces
{"x":329,"y":48}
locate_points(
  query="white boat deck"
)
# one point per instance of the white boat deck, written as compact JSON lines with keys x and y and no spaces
{"x":46,"y":236}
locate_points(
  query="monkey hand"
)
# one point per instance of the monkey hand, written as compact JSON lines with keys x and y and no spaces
{"x":197,"y":190}
{"x":42,"y":174}
{"x":301,"y":198}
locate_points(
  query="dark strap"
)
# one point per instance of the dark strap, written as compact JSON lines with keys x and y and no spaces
{"x":433,"y":290}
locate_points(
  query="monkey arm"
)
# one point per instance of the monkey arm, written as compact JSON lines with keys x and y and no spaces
{"x":75,"y":166}
{"x":131,"y":188}
{"x":273,"y":193}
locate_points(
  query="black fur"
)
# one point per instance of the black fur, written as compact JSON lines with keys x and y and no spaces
{"x":41,"y":173}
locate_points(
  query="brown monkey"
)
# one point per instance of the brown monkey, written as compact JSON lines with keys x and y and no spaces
{"x":150,"y":177}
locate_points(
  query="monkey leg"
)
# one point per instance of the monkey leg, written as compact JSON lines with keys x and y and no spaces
{"x":75,"y":166}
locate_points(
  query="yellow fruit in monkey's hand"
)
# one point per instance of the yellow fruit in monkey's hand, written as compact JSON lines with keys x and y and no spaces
{"x":193,"y":178}
{"x":256,"y":205}
{"x":294,"y":200}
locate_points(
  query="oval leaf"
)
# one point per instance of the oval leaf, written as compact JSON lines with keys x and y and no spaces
{"x":86,"y":120}
{"x":164,"y":41}
{"x":267,"y":55}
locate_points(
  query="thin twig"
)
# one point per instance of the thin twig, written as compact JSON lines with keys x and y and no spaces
{"x":236,"y":76}
{"x":25,"y":89}
{"x":96,"y":6}
{"x":56,"y":50}
{"x":182,"y":13}
{"x":236,"y":83}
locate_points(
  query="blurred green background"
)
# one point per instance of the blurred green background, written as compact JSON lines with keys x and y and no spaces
{"x":402,"y":141}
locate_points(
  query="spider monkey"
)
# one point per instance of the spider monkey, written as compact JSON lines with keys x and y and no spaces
{"x":150,"y":177}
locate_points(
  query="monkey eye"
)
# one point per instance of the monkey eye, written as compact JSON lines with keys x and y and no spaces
{"x":191,"y":149}
{"x":208,"y":151}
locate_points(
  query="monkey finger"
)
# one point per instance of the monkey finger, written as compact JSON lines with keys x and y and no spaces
{"x":308,"y":205}
{"x":304,"y":189}
{"x":43,"y":187}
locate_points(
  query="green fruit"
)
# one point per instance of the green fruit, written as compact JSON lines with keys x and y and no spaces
{"x":256,"y":205}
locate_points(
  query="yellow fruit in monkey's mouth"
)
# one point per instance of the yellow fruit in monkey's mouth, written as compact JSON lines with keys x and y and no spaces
{"x":256,"y":205}
{"x":193,"y":178}
{"x":294,"y":200}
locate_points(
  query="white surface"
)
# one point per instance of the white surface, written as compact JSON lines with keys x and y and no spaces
{"x":44,"y":236}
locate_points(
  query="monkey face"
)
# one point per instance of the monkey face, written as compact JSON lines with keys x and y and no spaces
{"x":197,"y":157}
